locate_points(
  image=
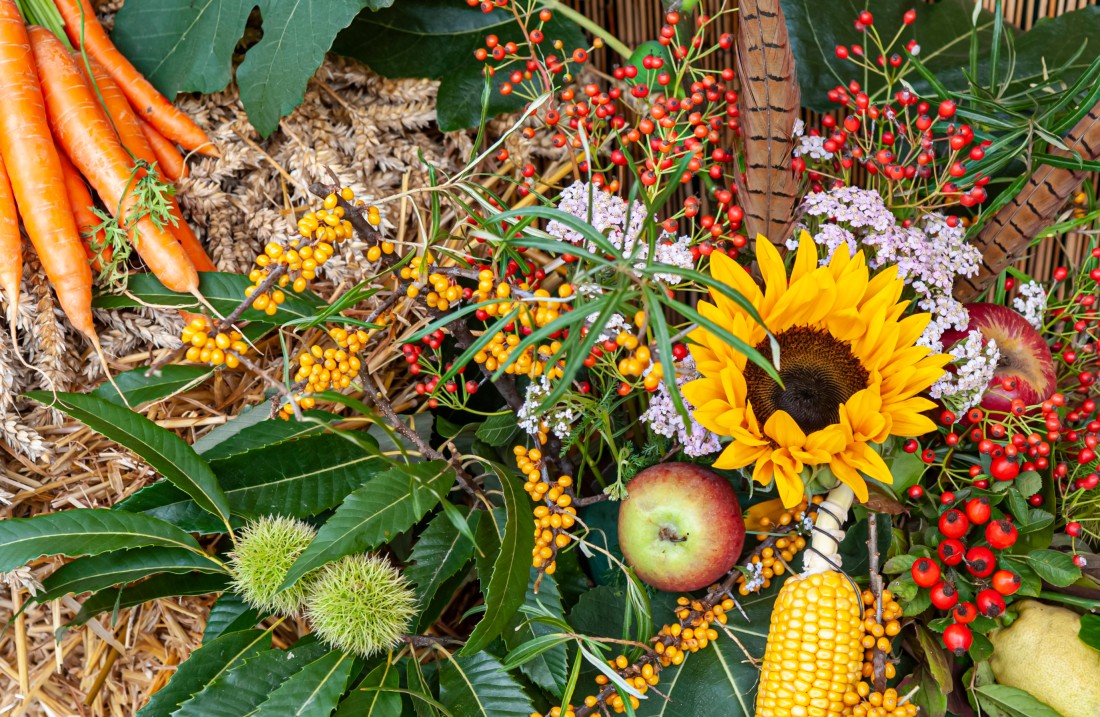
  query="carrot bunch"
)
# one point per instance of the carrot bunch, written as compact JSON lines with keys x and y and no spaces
{"x":73,"y":118}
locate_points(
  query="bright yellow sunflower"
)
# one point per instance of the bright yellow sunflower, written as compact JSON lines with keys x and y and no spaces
{"x":852,"y":372}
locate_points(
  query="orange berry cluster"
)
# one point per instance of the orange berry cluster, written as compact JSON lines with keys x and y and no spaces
{"x":533,"y":309}
{"x":866,"y":701}
{"x":334,"y":367}
{"x":879,"y":634}
{"x":639,"y":362}
{"x":773,"y":560}
{"x":321,"y":369}
{"x":320,"y":230}
{"x":554,"y":514}
{"x":212,"y":348}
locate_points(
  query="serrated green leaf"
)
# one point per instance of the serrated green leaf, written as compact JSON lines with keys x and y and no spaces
{"x":437,"y":39}
{"x":478,"y":686}
{"x":313,"y":691}
{"x":138,"y":389}
{"x":1054,"y":566}
{"x":497,"y":430}
{"x":167,"y":453}
{"x":84,"y":531}
{"x":228,"y":614}
{"x":548,"y":669}
{"x":223,"y":291}
{"x":122,"y":566}
{"x":255,"y":428}
{"x":156,"y":587}
{"x":195,"y":40}
{"x":390,"y":503}
{"x":440,"y":552}
{"x":1013,"y":701}
{"x":238,"y":691}
{"x":1028,"y":483}
{"x":375,"y":695}
{"x":507,"y":586}
{"x":204,"y":665}
{"x":298,"y":478}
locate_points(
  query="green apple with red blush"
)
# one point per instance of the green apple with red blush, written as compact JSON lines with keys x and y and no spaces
{"x":680,"y":527}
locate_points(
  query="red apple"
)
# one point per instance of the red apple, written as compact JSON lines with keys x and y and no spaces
{"x":681,"y":527}
{"x":1025,"y":357}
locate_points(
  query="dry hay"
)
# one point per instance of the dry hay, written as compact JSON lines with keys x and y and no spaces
{"x":368,"y":130}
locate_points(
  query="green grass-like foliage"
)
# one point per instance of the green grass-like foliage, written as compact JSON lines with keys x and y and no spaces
{"x":360,"y":604}
{"x":263,"y":555}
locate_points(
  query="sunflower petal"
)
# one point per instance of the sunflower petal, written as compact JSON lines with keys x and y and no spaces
{"x":805,"y":260}
{"x":849,"y":477}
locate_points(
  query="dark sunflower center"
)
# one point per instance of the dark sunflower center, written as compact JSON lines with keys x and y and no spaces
{"x":819,"y":373}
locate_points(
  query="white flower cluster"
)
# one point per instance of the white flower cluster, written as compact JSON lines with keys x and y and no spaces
{"x":614,"y":326}
{"x":975,"y":361}
{"x":665,"y":420}
{"x":1032,"y":303}
{"x":929,"y":255}
{"x":621,"y":222}
{"x":812,"y":146}
{"x":559,"y":418}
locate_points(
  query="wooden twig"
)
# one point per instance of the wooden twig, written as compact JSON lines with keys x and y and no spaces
{"x":878,"y":656}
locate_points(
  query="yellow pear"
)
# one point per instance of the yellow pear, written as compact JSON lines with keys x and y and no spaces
{"x":1041,"y":654}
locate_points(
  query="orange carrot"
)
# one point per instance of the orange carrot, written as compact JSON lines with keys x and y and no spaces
{"x":95,"y":245}
{"x":85,"y":133}
{"x":153,"y":107}
{"x":34,"y":169}
{"x":128,"y":127}
{"x":169,"y":159}
{"x":11,"y":244}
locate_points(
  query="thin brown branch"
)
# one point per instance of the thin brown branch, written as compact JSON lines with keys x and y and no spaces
{"x":878,"y":659}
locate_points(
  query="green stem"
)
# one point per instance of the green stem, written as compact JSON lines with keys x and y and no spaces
{"x":610,"y":40}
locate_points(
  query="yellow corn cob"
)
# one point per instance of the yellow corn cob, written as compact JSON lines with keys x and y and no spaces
{"x":814,"y":654}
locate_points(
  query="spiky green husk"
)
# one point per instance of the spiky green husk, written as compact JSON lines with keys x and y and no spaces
{"x":265,"y":550}
{"x":360,"y":604}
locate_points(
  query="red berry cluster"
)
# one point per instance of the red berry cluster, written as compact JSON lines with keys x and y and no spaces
{"x":965,"y":555}
{"x":913,"y":150}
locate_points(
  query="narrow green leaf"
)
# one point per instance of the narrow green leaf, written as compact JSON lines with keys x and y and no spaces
{"x":375,"y":695}
{"x":166,"y":452}
{"x":548,"y":668}
{"x":204,"y":665}
{"x":1013,"y":701}
{"x":123,"y":566}
{"x":84,"y":531}
{"x":935,"y":658}
{"x":238,"y":691}
{"x":254,"y":428}
{"x":497,"y":430}
{"x":298,"y":478}
{"x":477,"y":686}
{"x":313,"y":691}
{"x":229,"y":614}
{"x":1055,"y":567}
{"x":154,"y":588}
{"x":440,"y":552}
{"x":138,"y":389}
{"x":390,"y":503}
{"x":222,"y":290}
{"x":505,"y":590}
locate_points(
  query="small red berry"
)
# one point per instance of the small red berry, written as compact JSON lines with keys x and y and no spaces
{"x":911,"y":446}
{"x":964,"y":613}
{"x":944,"y":596}
{"x":947,"y":108}
{"x":926,"y":572}
{"x":990,"y":603}
{"x":980,"y":561}
{"x":916,"y":492}
{"x":1004,"y":468}
{"x":1006,"y":582}
{"x":947,"y":498}
{"x":951,"y":551}
{"x":1000,"y":534}
{"x":978,"y":510}
{"x":1073,"y":529}
{"x":1079,"y":560}
{"x":958,"y":638}
{"x":953,"y":524}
